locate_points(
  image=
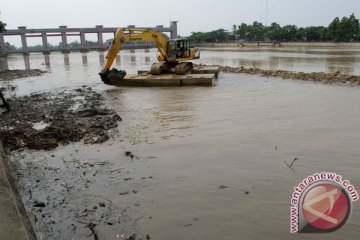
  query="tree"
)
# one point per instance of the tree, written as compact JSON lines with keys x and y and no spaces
{"x":255,"y":32}
{"x":355,"y":27}
{"x":350,"y":28}
{"x":333,"y":32}
{"x":273,"y":32}
{"x":315,"y":33}
{"x":300,"y":34}
{"x":75,"y":44}
{"x":2,"y":26}
{"x":234,"y":28}
{"x":242,"y":30}
{"x":9,"y":46}
{"x":289,"y":33}
{"x":220,"y":35}
{"x":346,"y":29}
{"x":197,"y":37}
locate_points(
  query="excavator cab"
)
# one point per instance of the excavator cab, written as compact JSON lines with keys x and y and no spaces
{"x":178,"y":48}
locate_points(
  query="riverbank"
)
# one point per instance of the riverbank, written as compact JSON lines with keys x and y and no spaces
{"x":45,"y":121}
{"x":62,"y":185}
{"x":326,"y":78}
{"x":14,"y":222}
{"x":50,"y":119}
{"x":334,"y":45}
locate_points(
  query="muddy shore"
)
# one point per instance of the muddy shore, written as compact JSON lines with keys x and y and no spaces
{"x":57,"y":187}
{"x":323,"y":77}
{"x":17,"y":73}
{"x":46,"y":120}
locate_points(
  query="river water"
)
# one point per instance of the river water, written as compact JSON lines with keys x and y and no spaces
{"x":238,"y":134}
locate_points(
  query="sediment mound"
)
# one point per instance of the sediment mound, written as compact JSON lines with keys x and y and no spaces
{"x":13,"y":74}
{"x":46,"y":120}
{"x":336,"y":77}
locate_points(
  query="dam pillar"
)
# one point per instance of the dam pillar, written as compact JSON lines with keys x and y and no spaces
{"x":23,"y":39}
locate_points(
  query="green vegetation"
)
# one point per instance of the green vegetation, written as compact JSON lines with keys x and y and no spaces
{"x":345,"y":30}
{"x":78,"y":44}
{"x":2,"y":26}
{"x":220,"y":35}
{"x":9,"y":46}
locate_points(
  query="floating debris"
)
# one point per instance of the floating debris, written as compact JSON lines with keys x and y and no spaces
{"x":124,"y":193}
{"x":291,"y":164}
{"x":101,"y":204}
{"x":39,"y":204}
{"x":129,"y":153}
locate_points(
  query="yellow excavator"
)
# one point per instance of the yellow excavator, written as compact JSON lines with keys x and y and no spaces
{"x":173,"y":56}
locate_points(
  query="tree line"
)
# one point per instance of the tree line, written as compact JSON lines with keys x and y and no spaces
{"x":2,"y":26}
{"x":346,"y":29}
{"x":75,"y":43}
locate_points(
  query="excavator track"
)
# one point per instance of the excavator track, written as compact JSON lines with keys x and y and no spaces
{"x":160,"y":67}
{"x":183,"y":68}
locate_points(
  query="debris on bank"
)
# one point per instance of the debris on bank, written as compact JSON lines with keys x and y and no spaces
{"x":336,"y":77}
{"x":46,"y":120}
{"x":17,"y":73}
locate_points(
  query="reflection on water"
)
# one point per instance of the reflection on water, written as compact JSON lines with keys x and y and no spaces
{"x":66,"y":59}
{"x":195,"y":139}
{"x":84,"y":59}
{"x":27,"y":61}
{"x":350,"y":64}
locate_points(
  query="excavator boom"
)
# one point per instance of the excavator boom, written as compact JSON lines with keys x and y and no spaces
{"x":169,"y":57}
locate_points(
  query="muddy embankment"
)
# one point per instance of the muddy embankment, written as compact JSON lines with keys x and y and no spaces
{"x":58,"y":189}
{"x":328,"y":78}
{"x":13,"y":74}
{"x":45,"y":120}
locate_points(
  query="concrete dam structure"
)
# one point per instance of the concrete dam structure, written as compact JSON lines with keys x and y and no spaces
{"x":64,"y":32}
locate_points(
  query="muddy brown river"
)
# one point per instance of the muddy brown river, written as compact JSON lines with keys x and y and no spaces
{"x":208,"y":162}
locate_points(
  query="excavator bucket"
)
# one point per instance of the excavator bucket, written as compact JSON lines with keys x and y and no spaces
{"x":113,"y":76}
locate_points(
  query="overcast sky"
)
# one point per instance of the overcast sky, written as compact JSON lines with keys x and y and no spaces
{"x":193,"y":15}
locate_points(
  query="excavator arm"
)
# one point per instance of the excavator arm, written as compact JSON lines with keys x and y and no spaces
{"x":122,"y":36}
